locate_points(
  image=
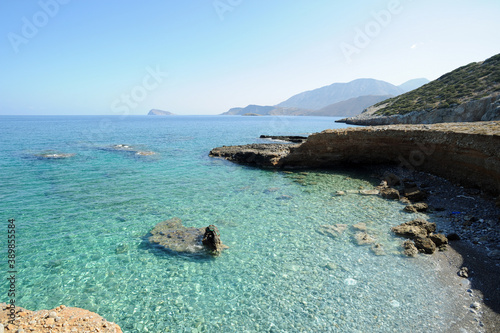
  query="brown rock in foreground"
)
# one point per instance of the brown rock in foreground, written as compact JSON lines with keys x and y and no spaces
{"x":60,"y":319}
{"x":463,"y":152}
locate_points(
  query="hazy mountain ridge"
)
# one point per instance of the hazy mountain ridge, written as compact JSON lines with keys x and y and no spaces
{"x":337,"y":99}
{"x":350,"y":107}
{"x":338,"y":92}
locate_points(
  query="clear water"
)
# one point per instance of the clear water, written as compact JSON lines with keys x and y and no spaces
{"x":82,"y":221}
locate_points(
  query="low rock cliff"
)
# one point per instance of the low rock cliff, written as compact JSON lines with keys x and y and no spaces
{"x":485,"y":109}
{"x":467,"y":153}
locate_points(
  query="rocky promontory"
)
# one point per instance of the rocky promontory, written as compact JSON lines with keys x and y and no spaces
{"x":467,"y":153}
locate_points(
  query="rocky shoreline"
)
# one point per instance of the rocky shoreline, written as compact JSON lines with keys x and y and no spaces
{"x":466,"y":153}
{"x":437,"y":159}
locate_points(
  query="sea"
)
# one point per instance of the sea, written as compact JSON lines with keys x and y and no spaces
{"x":82,"y":225}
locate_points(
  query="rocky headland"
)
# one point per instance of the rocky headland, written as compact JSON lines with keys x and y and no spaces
{"x":466,"y":153}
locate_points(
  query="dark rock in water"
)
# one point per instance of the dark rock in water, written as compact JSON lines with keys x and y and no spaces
{"x":211,"y":240}
{"x":410,"y":249}
{"x":172,"y":235}
{"x":425,"y":245}
{"x":289,"y":138}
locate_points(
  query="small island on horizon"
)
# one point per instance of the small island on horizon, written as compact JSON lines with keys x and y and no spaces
{"x":156,"y":112}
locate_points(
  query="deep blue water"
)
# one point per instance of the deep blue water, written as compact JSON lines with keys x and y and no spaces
{"x":82,"y":222}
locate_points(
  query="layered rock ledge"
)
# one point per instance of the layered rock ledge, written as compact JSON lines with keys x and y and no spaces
{"x":467,"y":153}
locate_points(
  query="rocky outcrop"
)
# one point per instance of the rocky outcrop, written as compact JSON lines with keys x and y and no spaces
{"x":60,"y":319}
{"x":263,"y":155}
{"x":421,"y":237}
{"x":171,"y":235}
{"x":414,"y":229}
{"x":485,"y":109}
{"x":463,"y":152}
{"x":211,"y":240}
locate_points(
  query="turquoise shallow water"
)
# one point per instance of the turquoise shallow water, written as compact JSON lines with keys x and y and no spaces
{"x":82,"y":224}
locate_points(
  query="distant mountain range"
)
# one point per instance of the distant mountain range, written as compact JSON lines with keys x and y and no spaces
{"x":156,"y":112}
{"x":338,"y":99}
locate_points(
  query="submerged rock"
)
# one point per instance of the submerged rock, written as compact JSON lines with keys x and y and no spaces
{"x":361,"y":226}
{"x":129,"y":149}
{"x":362,"y":238}
{"x":378,"y":249}
{"x":369,"y":192}
{"x":173,"y":236}
{"x":332,"y":230}
{"x":52,"y":155}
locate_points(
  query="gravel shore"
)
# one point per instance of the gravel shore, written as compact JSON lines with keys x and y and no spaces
{"x":474,"y":217}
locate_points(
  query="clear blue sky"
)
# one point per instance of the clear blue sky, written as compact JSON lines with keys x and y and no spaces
{"x":206,"y":56}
